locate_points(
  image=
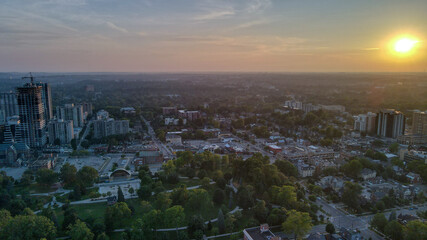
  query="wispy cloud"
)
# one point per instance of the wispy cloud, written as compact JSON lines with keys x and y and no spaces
{"x":257,"y":5}
{"x":370,"y":49}
{"x":251,"y":24}
{"x":215,"y":15}
{"x":117,"y":28}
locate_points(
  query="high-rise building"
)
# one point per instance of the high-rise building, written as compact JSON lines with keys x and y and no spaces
{"x":8,"y":106}
{"x":47,"y":100}
{"x":419,"y":123}
{"x":365,"y":122}
{"x":71,"y":112}
{"x":104,"y":128}
{"x":390,"y":123}
{"x":32,"y":114}
{"x":87,"y":109}
{"x":62,"y":130}
{"x":370,"y":122}
{"x":13,"y":130}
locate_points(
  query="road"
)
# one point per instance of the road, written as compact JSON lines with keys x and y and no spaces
{"x":87,"y":130}
{"x":342,"y":219}
{"x":167,"y":153}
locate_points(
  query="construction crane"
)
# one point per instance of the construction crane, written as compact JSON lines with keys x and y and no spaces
{"x":30,"y":77}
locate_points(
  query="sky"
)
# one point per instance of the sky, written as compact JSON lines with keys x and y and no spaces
{"x":211,"y":35}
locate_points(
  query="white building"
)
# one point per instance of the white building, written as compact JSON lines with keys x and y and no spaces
{"x":62,"y":130}
{"x":71,"y":112}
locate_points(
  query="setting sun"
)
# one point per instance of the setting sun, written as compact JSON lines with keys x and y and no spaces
{"x":404,"y":45}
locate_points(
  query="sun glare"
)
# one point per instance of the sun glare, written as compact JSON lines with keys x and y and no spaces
{"x":404,"y":45}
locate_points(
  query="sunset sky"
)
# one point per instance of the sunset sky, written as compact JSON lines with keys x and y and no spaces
{"x":210,"y":35}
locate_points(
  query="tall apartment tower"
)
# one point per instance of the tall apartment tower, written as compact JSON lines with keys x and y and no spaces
{"x":62,"y":130}
{"x":71,"y":112}
{"x":419,"y":123}
{"x":32,"y":114}
{"x":47,"y":100}
{"x":390,"y":123}
{"x":8,"y":106}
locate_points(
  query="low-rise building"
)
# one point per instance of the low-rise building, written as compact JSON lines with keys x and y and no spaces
{"x":46,"y":161}
{"x":259,"y":233}
{"x":274,"y":149}
{"x":413,"y":177}
{"x":189,"y":115}
{"x":174,"y":139}
{"x":148,"y":157}
{"x":368,"y":174}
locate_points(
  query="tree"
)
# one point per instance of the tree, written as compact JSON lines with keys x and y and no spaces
{"x":174,"y":217}
{"x":74,"y":144}
{"x":179,"y":195}
{"x":113,"y":213}
{"x":28,"y":227}
{"x":46,"y":177}
{"x":287,"y":168}
{"x":5,"y":217}
{"x":415,"y":230}
{"x":352,"y":168}
{"x":57,"y":142}
{"x":351,"y":195}
{"x":70,"y":217}
{"x":394,"y":147}
{"x":68,"y":175}
{"x":276,"y":217}
{"x":218,"y":196}
{"x":102,"y":236}
{"x":87,"y":175}
{"x":198,"y":199}
{"x":244,"y":198}
{"x":392,"y":216}
{"x":144,"y":192}
{"x":79,"y":231}
{"x":330,"y":228}
{"x":50,"y":214}
{"x":163,"y":201}
{"x":380,"y":206}
{"x":120,"y":196}
{"x":297,"y":223}
{"x":394,"y":230}
{"x":284,"y":196}
{"x":260,"y":211}
{"x":196,"y":224}
{"x":379,"y":222}
{"x":221,"y":222}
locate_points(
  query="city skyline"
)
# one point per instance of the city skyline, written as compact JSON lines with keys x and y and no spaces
{"x":194,"y":36}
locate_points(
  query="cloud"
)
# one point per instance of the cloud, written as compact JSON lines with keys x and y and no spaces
{"x":117,"y":28}
{"x":257,"y":5}
{"x":215,"y":15}
{"x":370,"y":49}
{"x":251,"y":24}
